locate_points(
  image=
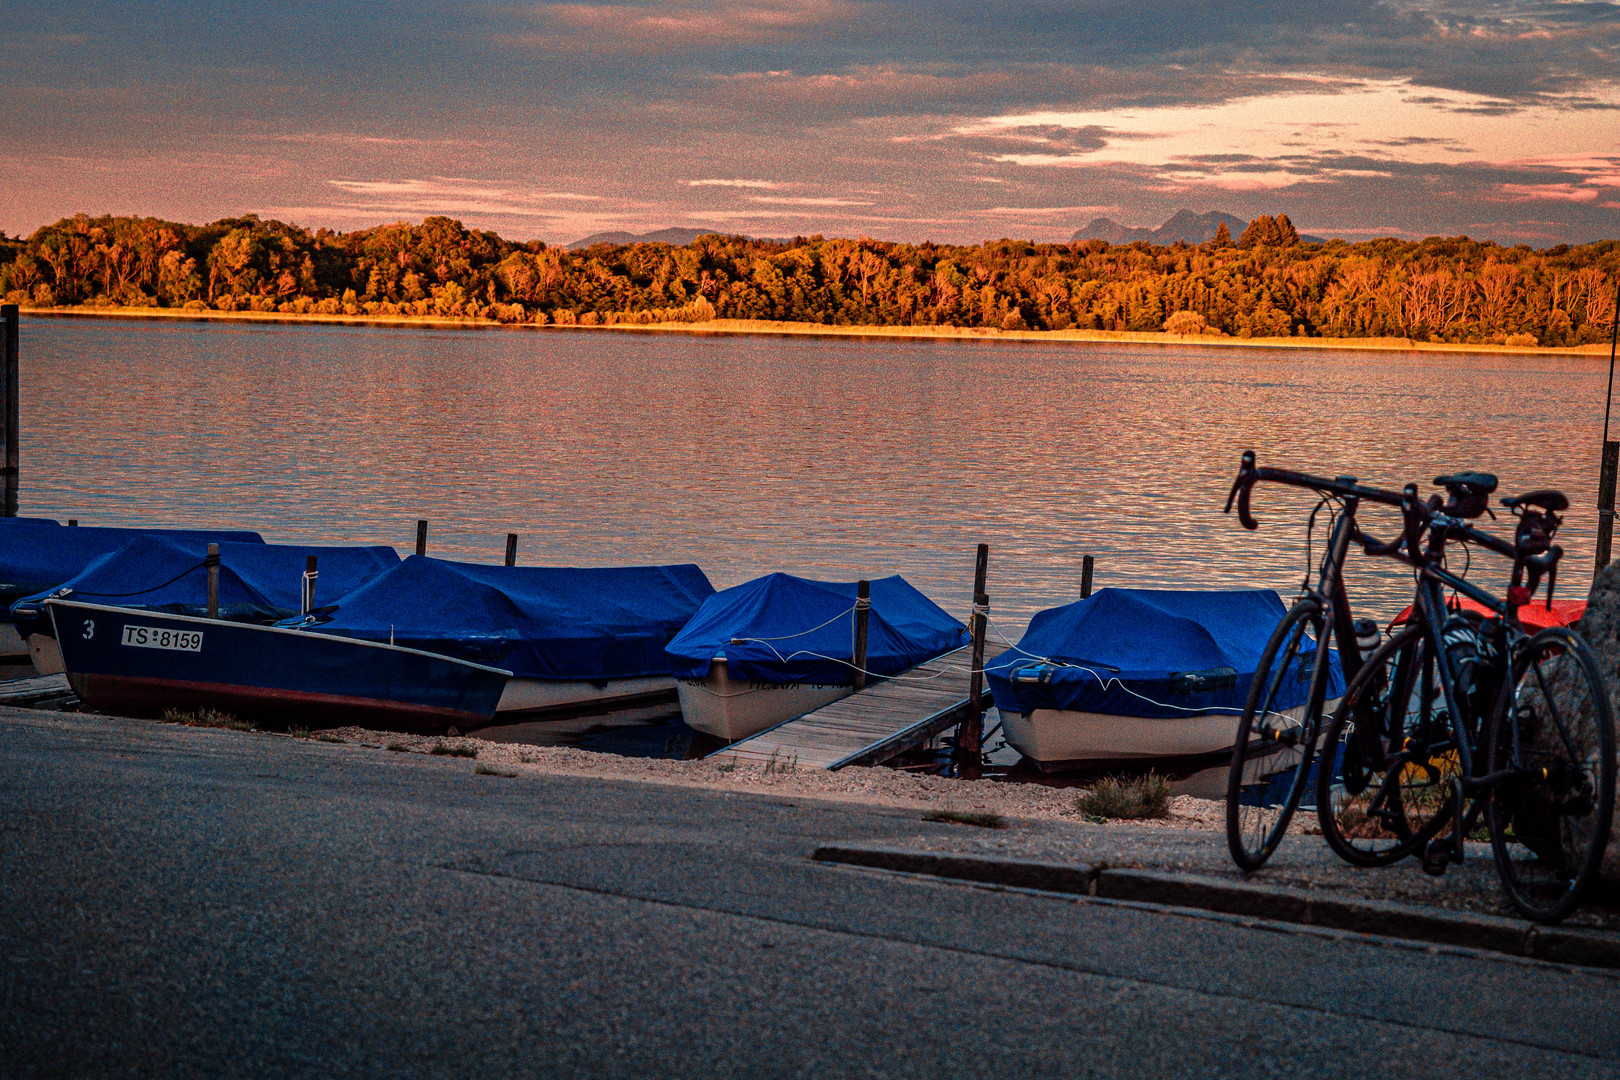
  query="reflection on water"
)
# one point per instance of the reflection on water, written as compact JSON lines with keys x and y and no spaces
{"x":828,"y":457}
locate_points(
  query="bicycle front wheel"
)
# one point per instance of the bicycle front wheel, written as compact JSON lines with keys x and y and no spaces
{"x":1276,"y":738}
{"x":1552,"y":750}
{"x":1389,"y":757}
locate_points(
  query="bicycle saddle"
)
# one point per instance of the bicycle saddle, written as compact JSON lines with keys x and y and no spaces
{"x":1469,"y":492}
{"x":1553,"y":502}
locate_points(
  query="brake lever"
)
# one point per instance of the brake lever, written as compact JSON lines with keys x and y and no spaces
{"x":1241,"y":488}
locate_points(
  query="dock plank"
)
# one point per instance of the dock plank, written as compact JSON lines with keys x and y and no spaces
{"x":871,"y":726}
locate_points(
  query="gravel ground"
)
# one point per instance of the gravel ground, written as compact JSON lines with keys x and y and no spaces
{"x":876,"y":786}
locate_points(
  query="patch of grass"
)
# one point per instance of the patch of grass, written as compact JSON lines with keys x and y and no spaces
{"x":207,"y":718}
{"x":485,"y":770}
{"x":298,"y":732}
{"x":979,"y":819}
{"x":777,"y":764}
{"x":728,"y":765}
{"x":446,"y":750}
{"x":1118,"y":798}
{"x":329,"y":737}
{"x":399,"y":747}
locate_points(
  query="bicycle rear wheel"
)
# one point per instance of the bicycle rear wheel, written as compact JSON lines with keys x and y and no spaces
{"x":1389,"y":757}
{"x":1553,"y":734}
{"x":1276,"y":738}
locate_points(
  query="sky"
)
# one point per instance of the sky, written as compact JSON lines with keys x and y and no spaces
{"x":951,"y":121}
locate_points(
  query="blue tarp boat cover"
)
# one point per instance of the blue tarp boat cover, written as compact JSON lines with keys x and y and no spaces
{"x":38,"y":557}
{"x":257,"y":582}
{"x":539,"y":622}
{"x":1147,"y":652}
{"x":786,"y":629}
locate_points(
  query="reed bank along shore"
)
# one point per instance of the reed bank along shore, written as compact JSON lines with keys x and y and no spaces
{"x":766,"y":327}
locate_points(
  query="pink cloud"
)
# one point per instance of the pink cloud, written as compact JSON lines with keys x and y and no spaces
{"x":1554,"y":192}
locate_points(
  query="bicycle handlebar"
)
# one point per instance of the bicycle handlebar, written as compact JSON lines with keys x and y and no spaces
{"x":1345,"y":486}
{"x":1419,"y":515}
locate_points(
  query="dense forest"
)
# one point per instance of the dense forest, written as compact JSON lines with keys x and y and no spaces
{"x":1265,"y":283}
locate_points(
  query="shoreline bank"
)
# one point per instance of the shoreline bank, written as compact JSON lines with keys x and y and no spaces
{"x":771,"y":328}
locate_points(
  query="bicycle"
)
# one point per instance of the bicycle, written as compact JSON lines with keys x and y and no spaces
{"x":1412,"y":714}
{"x":1275,"y":746}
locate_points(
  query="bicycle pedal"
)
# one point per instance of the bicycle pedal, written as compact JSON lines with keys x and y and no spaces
{"x":1436,"y":859}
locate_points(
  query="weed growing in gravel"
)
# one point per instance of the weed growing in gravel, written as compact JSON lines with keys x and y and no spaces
{"x":984,"y":820}
{"x":328,"y":737}
{"x":399,"y":747}
{"x":1127,"y":798}
{"x":207,"y":718}
{"x":485,"y":770}
{"x":777,"y":764}
{"x":446,"y":750}
{"x":298,"y":732}
{"x":729,"y":765}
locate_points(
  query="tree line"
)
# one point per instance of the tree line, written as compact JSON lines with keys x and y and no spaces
{"x":1266,"y":283}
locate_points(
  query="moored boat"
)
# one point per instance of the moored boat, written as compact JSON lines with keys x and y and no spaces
{"x":780,"y":646}
{"x":1139,"y":677}
{"x":37,"y":554}
{"x":135,"y":662}
{"x":576,"y":639}
{"x":258,"y":583}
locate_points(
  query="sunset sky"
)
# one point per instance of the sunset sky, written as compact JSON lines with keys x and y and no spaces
{"x":951,"y":121}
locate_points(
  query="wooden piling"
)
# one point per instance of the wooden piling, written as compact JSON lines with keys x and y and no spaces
{"x":1606,"y":483}
{"x":511,"y":549}
{"x":421,"y":537}
{"x":311,"y":575}
{"x":863,"y":611}
{"x":1086,"y":565}
{"x":211,"y":561}
{"x":12,"y":410}
{"x":73,"y":521}
{"x":970,"y":732}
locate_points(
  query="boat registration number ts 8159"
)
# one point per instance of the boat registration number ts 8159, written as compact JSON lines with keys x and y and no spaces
{"x":153,"y":637}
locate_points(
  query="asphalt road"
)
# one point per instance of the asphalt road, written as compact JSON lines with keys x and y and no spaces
{"x":203,"y":903}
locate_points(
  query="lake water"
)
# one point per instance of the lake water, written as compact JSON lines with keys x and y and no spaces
{"x":822,"y":456}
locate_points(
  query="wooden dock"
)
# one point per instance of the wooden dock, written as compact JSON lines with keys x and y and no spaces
{"x":44,"y":692}
{"x":869,"y":726}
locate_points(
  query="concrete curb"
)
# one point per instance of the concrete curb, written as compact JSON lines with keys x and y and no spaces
{"x":1280,"y":904}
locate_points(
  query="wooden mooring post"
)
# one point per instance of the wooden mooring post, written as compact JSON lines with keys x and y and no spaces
{"x":863,"y":612}
{"x":1086,"y":566}
{"x":511,"y":549}
{"x":421,"y":537}
{"x":211,"y":561}
{"x":12,"y":407}
{"x":970,"y":732}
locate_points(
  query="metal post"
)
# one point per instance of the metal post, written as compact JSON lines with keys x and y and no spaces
{"x":212,"y":563}
{"x":310,"y":577}
{"x":1606,"y":476}
{"x":8,"y":315}
{"x":511,"y":549}
{"x":863,"y":610}
{"x":1606,"y":480}
{"x":421,"y":537}
{"x":1086,"y":565}
{"x":970,"y":732}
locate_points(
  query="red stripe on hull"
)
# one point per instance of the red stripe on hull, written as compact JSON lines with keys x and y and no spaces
{"x":130,"y":696}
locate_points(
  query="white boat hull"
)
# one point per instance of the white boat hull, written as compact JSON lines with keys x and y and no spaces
{"x":46,"y":654}
{"x":552,"y":695}
{"x":732,"y":709}
{"x":1056,"y":738}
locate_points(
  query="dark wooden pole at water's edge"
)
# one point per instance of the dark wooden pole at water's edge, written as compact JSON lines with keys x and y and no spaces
{"x":1611,"y":455}
{"x":311,"y":575}
{"x":212,"y":563}
{"x":12,"y":409}
{"x":421,"y":537}
{"x":1086,"y":566}
{"x":511,"y":549}
{"x":970,"y":732}
{"x":863,"y":611}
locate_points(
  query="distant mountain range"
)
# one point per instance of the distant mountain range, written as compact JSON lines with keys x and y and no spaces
{"x":1185,"y":226}
{"x":675,"y":237}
